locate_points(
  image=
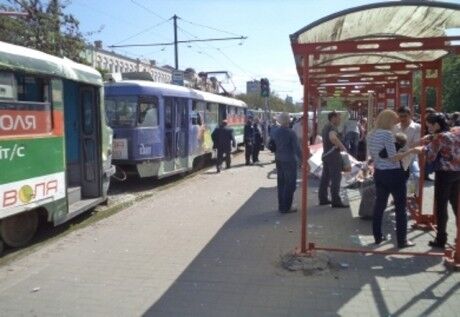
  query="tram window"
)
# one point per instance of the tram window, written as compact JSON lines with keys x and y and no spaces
{"x":182,"y":119}
{"x":212,"y":116}
{"x":195,"y":115}
{"x":30,"y":88}
{"x":121,"y":111}
{"x":169,"y":103}
{"x":26,"y":115}
{"x":8,"y":88}
{"x":87,"y":111}
{"x":148,"y":113}
{"x":198,"y":114}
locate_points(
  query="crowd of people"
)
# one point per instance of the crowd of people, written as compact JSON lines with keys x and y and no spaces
{"x":393,"y":148}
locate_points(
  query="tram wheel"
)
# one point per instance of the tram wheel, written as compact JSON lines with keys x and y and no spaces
{"x":18,"y":230}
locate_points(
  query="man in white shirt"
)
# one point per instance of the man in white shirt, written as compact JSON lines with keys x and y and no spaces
{"x":298,"y":129}
{"x":412,"y":130}
{"x":350,"y":136}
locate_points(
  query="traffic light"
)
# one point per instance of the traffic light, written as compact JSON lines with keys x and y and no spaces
{"x":264,"y":87}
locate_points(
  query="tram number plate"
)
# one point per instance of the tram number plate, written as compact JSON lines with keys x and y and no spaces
{"x":120,"y":149}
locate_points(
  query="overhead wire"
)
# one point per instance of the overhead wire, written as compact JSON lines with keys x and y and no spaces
{"x":220,"y":49}
{"x":202,"y":50}
{"x":209,"y":27}
{"x":251,"y":75}
{"x":148,"y":10}
{"x":142,"y":32}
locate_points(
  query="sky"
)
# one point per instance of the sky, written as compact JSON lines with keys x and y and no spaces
{"x":266,"y":23}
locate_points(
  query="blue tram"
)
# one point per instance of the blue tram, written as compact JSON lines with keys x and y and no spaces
{"x":161,"y":129}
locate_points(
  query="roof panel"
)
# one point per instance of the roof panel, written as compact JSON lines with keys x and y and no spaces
{"x":393,"y":19}
{"x":408,"y":19}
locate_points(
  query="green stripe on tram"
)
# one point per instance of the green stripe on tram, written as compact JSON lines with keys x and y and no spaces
{"x":237,"y":129}
{"x":26,"y":158}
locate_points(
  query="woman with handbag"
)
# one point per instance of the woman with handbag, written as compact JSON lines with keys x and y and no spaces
{"x":389,"y":177}
{"x":442,"y":152}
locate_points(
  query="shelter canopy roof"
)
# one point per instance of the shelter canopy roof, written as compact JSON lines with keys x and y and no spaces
{"x":380,"y":21}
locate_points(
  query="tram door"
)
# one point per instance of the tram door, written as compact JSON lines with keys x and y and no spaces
{"x":176,"y":134}
{"x":90,"y":145}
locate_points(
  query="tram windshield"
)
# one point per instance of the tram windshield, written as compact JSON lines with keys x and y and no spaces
{"x":131,"y":111}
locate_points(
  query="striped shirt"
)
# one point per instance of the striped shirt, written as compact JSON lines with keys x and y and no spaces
{"x":377,"y":141}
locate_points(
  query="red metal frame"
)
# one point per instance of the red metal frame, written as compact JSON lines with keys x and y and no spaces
{"x":312,"y":76}
{"x":378,"y":45}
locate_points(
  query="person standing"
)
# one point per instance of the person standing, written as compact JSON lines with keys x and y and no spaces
{"x":332,"y":163}
{"x":258,"y":140}
{"x":273,"y":127}
{"x":248,"y":140}
{"x":287,"y":156}
{"x":443,"y":151}
{"x":389,"y":177}
{"x":351,"y":136}
{"x":412,"y":131}
{"x":223,"y":140}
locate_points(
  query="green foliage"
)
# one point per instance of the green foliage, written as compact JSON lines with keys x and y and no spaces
{"x":47,"y":28}
{"x":255,"y":101}
{"x":335,"y":104}
{"x":102,"y":71}
{"x":450,"y":85}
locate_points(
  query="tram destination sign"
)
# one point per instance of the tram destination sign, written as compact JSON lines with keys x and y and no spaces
{"x":177,"y":77}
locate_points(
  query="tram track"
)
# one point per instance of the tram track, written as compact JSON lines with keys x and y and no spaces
{"x":121,"y":196}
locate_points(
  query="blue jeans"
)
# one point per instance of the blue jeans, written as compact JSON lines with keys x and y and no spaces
{"x":390,"y":182}
{"x":351,"y":141}
{"x":287,"y":176}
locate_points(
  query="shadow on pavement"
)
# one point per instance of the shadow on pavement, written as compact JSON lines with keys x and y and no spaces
{"x":238,"y":273}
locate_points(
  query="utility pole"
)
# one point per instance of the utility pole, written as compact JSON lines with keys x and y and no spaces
{"x":176,"y":42}
{"x":265,"y":93}
{"x":176,"y":55}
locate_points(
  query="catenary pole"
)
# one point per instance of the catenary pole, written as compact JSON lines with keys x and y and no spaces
{"x":176,"y":49}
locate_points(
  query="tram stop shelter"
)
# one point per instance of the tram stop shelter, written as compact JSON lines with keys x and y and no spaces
{"x":368,"y":55}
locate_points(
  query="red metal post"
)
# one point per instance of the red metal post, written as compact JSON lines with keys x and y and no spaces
{"x":315,"y":116}
{"x":410,"y":96}
{"x":397,"y":94}
{"x":453,"y":256}
{"x":439,"y":87}
{"x":305,"y":153}
{"x":422,"y":221}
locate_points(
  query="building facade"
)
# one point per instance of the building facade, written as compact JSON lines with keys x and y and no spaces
{"x":253,"y":87}
{"x":117,"y":63}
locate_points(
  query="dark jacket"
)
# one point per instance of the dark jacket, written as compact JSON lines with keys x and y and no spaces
{"x":223,"y":139}
{"x":248,"y":134}
{"x":287,"y":145}
{"x":257,"y":130}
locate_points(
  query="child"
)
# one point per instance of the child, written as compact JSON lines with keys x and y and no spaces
{"x":401,"y":140}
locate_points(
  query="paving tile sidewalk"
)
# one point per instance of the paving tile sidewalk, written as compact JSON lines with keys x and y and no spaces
{"x":211,"y":246}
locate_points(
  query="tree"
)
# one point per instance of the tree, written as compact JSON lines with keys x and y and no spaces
{"x":255,"y":101}
{"x":335,"y":104}
{"x":46,"y":28}
{"x":450,"y":85}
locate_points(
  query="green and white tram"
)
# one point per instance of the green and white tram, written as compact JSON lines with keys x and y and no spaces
{"x":55,"y":146}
